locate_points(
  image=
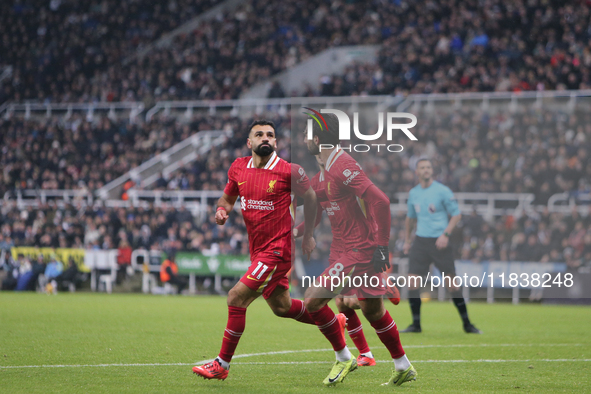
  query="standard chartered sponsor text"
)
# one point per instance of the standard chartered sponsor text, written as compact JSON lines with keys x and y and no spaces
{"x":260,"y":205}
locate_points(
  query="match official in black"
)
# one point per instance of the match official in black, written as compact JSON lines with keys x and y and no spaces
{"x":430,"y":204}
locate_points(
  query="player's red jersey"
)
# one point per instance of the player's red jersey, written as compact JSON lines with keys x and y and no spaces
{"x":265,"y":200}
{"x":345,"y":182}
{"x":337,"y":246}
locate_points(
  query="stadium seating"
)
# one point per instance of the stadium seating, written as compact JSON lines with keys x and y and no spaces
{"x":63,"y":51}
{"x":446,"y":47}
{"x":515,"y":161}
{"x":442,"y":47}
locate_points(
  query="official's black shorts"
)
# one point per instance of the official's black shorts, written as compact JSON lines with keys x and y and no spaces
{"x":424,"y":252}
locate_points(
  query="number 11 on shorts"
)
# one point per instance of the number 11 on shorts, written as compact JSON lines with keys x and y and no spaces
{"x":259,"y":266}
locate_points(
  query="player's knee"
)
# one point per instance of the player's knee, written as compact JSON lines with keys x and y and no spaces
{"x":351,"y":303}
{"x":234,"y":298}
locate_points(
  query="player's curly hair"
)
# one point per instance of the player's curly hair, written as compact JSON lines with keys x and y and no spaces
{"x":329,"y":133}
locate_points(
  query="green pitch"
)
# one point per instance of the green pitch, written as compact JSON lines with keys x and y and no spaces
{"x":80,"y":343}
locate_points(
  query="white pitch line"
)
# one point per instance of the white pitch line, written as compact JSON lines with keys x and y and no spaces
{"x":319,"y":362}
{"x":424,"y":361}
{"x":95,"y":365}
{"x":406,"y":347}
{"x":493,"y":345}
{"x":294,"y":363}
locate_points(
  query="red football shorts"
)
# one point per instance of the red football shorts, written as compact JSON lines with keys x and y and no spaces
{"x":356,"y":265}
{"x":266,"y":273}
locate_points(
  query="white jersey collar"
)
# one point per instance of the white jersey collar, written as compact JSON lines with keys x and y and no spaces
{"x":332,"y":158}
{"x":271,"y":164}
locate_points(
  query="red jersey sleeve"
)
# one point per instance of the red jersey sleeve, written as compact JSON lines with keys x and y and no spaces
{"x":299,"y":180}
{"x":231,"y":188}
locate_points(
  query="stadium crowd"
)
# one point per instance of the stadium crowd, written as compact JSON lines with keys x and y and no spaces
{"x":95,"y":227}
{"x":543,"y":237}
{"x":536,"y":237}
{"x":537,"y":151}
{"x":533,"y":150}
{"x":76,"y":153}
{"x":541,"y":152}
{"x":65,"y":50}
{"x":76,"y":54}
{"x":460,"y":46}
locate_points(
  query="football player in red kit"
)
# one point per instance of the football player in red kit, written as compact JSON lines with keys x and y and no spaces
{"x":345,"y":305}
{"x":365,"y":257}
{"x":266,"y":185}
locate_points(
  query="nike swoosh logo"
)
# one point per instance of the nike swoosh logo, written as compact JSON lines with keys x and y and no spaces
{"x":336,"y":377}
{"x":383,"y":257}
{"x":241,"y":183}
{"x":250,"y":277}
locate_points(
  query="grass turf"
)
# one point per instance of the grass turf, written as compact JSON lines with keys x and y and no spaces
{"x":97,"y":338}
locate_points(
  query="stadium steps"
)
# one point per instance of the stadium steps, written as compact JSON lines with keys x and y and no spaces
{"x":168,"y":161}
{"x":328,"y":62}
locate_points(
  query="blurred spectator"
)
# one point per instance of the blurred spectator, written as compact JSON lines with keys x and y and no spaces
{"x":25,"y":273}
{"x":39,"y":267}
{"x":11,"y":269}
{"x":473,"y":223}
{"x":276,"y":91}
{"x":123,"y":259}
{"x":69,"y":275}
{"x":5,"y":244}
{"x":53,"y":270}
{"x":169,"y":273}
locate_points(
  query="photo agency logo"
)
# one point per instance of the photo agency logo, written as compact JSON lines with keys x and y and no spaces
{"x":345,"y":130}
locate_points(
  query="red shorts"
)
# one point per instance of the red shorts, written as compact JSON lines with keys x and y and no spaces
{"x":356,"y":265}
{"x":266,"y":273}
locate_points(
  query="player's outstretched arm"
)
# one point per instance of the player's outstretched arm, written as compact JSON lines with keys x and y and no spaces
{"x":380,"y":204}
{"x":225,"y":205}
{"x":310,"y":208}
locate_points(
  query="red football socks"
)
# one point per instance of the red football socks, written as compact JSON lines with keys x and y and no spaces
{"x":234,"y":330}
{"x":328,"y":324}
{"x":355,"y":330}
{"x":388,"y":333}
{"x":298,"y":312}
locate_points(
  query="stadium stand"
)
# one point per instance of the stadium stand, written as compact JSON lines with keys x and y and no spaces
{"x":452,"y":46}
{"x":64,"y":50}
{"x":443,"y":46}
{"x":468,"y":164}
{"x":540,"y":237}
{"x":58,"y":153}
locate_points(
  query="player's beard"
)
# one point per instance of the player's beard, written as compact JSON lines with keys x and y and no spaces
{"x":264,"y":150}
{"x":313,"y":149}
